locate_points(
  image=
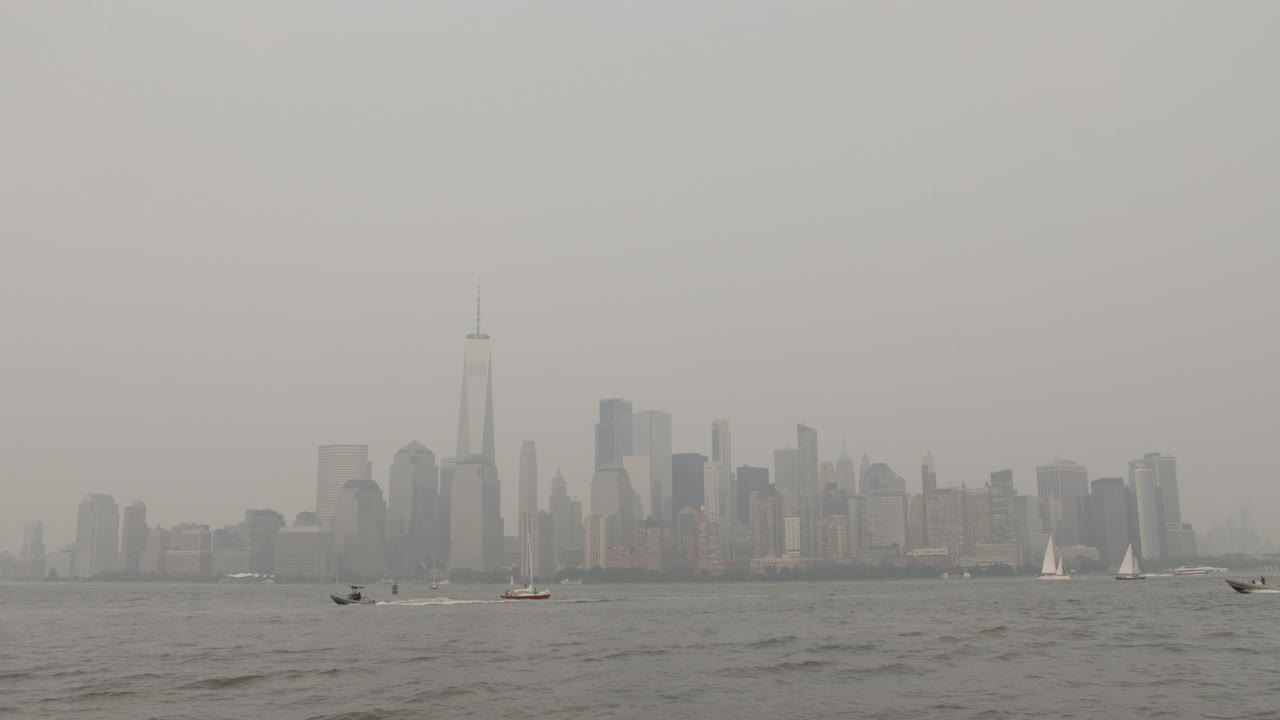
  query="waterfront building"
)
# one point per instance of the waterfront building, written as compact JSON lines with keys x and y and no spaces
{"x":833,"y":537}
{"x":791,"y":534}
{"x":191,"y":553}
{"x":884,"y":522}
{"x":686,"y":536}
{"x":1168,"y":506}
{"x":412,"y":505}
{"x":337,"y":465}
{"x":1060,"y":484}
{"x":786,"y":479}
{"x":133,"y":535}
{"x":359,"y":530}
{"x":688,"y":480}
{"x":749,"y":480}
{"x":1108,"y":519}
{"x":651,"y":438}
{"x":31,"y":563}
{"x":152,"y":556}
{"x":1147,"y":501}
{"x":945,"y":512}
{"x":707,"y":547}
{"x":810,"y":487}
{"x":258,"y":531}
{"x":475,"y":523}
{"x":302,"y":552}
{"x":766,"y":522}
{"x":978,"y":529}
{"x":97,"y":536}
{"x":595,"y":540}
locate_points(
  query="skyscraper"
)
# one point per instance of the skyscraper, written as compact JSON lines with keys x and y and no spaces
{"x":651,"y":437}
{"x":444,"y":511}
{"x":1109,"y":519}
{"x":719,"y":502}
{"x":750,"y":479}
{"x":133,"y":535}
{"x":259,"y":531}
{"x":945,"y":519}
{"x":688,"y":481}
{"x":613,"y":432}
{"x":846,"y":472}
{"x":412,"y":502}
{"x":33,"y":554}
{"x":97,"y":536}
{"x":1060,"y":484}
{"x":561,"y":508}
{"x":537,"y":544}
{"x":786,"y":479}
{"x":359,"y":530}
{"x":810,"y":489}
{"x":766,"y":522}
{"x":1147,"y":499}
{"x":475,"y":512}
{"x":337,"y":465}
{"x":528,"y":479}
{"x":1164,"y":473}
{"x":928,"y":474}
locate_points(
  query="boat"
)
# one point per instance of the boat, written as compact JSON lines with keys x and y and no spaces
{"x":1052,"y":569}
{"x":1130,"y":568}
{"x":355,"y":597}
{"x":434,"y":586}
{"x":1252,"y":586}
{"x":1196,"y":570}
{"x":571,"y":581}
{"x":529,"y":591}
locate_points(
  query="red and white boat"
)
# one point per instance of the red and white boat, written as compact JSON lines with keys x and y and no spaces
{"x":529,"y":591}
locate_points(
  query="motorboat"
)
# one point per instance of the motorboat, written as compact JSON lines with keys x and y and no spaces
{"x":1053,"y":568}
{"x":529,"y":591}
{"x":571,"y":581}
{"x":355,"y":597}
{"x":1252,"y":586}
{"x":1130,"y":568}
{"x":434,"y":586}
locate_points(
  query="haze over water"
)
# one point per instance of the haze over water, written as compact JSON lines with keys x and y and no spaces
{"x":992,"y":648}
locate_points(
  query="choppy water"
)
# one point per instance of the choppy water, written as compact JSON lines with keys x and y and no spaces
{"x":998,"y":648}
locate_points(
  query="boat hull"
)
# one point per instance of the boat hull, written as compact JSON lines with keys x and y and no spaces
{"x":1244,"y":587}
{"x":538,"y":596}
{"x":1054,"y":577}
{"x":348,"y":601}
{"x":1131,"y":577}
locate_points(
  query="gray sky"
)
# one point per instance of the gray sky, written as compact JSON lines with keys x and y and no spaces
{"x":1004,"y":232}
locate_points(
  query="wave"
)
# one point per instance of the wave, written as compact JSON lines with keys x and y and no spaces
{"x":223,"y":682}
{"x":773,"y":641}
{"x":421,"y":602}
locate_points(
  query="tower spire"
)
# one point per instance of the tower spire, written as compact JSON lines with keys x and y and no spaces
{"x":477,"y":306}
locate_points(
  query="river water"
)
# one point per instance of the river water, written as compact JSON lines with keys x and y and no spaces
{"x":983,"y":648}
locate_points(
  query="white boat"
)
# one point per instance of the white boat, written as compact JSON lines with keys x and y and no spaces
{"x":1052,"y":569}
{"x":1130,"y":568}
{"x":1197,"y":570}
{"x":529,"y":591}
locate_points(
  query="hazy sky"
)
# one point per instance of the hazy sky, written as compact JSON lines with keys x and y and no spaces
{"x":1002,"y":232}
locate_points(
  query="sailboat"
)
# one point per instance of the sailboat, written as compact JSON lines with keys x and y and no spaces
{"x":529,"y":591}
{"x":1130,"y":568}
{"x":1052,"y":569}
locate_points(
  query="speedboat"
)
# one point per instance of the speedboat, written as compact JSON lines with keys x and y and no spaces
{"x":1249,"y":587}
{"x":355,"y":597}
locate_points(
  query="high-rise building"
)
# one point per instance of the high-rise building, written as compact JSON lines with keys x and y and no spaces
{"x":559,"y":505}
{"x":791,"y":534}
{"x":928,"y":475}
{"x":611,"y":492}
{"x":575,"y":521}
{"x":917,"y":532}
{"x":359,"y":529}
{"x":1060,"y":484}
{"x":302,"y":550}
{"x":826,"y":473}
{"x":978,"y":523}
{"x":651,"y":437}
{"x":614,"y":433}
{"x":884,"y":522}
{"x":595,"y":541}
{"x":1164,"y":473}
{"x":258,"y":532}
{"x":1109,"y":519}
{"x":33,"y":555}
{"x":750,"y":479}
{"x":846,"y":472}
{"x":707,"y":544}
{"x":528,"y":480}
{"x":880,"y":478}
{"x":1147,"y":501}
{"x":444,"y":511}
{"x":191,"y":552}
{"x":833,"y":537}
{"x":475,"y":510}
{"x":648,"y":555}
{"x":133,"y":535}
{"x":786,"y":479}
{"x":766,"y":521}
{"x":338,"y":465}
{"x":810,"y":487}
{"x":412,"y":505}
{"x":537,"y":544}
{"x":1004,"y":527}
{"x":864,"y":476}
{"x":686,"y":536}
{"x":720,"y":499}
{"x":97,"y":536}
{"x":945,"y":519}
{"x":151,"y":559}
{"x":688,"y":475}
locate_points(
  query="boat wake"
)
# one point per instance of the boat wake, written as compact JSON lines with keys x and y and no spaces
{"x":420,"y":602}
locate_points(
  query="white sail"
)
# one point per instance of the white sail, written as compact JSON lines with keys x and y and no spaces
{"x":1050,"y":565}
{"x":1062,"y":570}
{"x":1126,"y":565}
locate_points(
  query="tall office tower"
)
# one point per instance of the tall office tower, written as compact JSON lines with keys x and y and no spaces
{"x":444,"y":511}
{"x":688,"y":472}
{"x":826,"y":473}
{"x":708,"y":551}
{"x":1037,"y":532}
{"x":917,"y":532}
{"x":791,"y":534}
{"x":640,"y":473}
{"x":928,"y":474}
{"x":575,"y":522}
{"x":978,"y":524}
{"x":1003,"y":520}
{"x":864,"y":476}
{"x":944,"y":519}
{"x":1060,"y":484}
{"x":1109,"y":519}
{"x":686,"y":539}
{"x":651,"y":436}
{"x":302,"y":550}
{"x":719,"y":501}
{"x":338,"y":464}
{"x":259,"y":531}
{"x":786,"y":479}
{"x":884,"y":522}
{"x":537,"y":544}
{"x":97,"y":536}
{"x":1146,"y":495}
{"x":880,"y":478}
{"x":595,"y":541}
{"x":846,"y":472}
{"x":833,"y":537}
{"x":833,"y":500}
{"x":766,"y":522}
{"x":750,"y":479}
{"x":810,"y":489}
{"x":1169,"y":506}
{"x":412,"y":502}
{"x":359,"y":529}
{"x":133,"y":535}
{"x":560,"y":506}
{"x":475,"y":506}
{"x":614,"y":433}
{"x":33,"y":539}
{"x":612,"y":497}
{"x":152,"y":557}
{"x":528,"y":480}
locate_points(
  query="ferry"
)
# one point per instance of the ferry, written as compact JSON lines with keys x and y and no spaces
{"x":1196,"y":570}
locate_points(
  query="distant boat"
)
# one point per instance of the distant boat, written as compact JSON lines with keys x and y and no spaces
{"x":573,"y":581}
{"x":1052,"y":569}
{"x":355,"y":597}
{"x":1196,"y":570}
{"x":1130,"y":568}
{"x":434,"y":586}
{"x":529,"y":591}
{"x":1249,"y":587}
